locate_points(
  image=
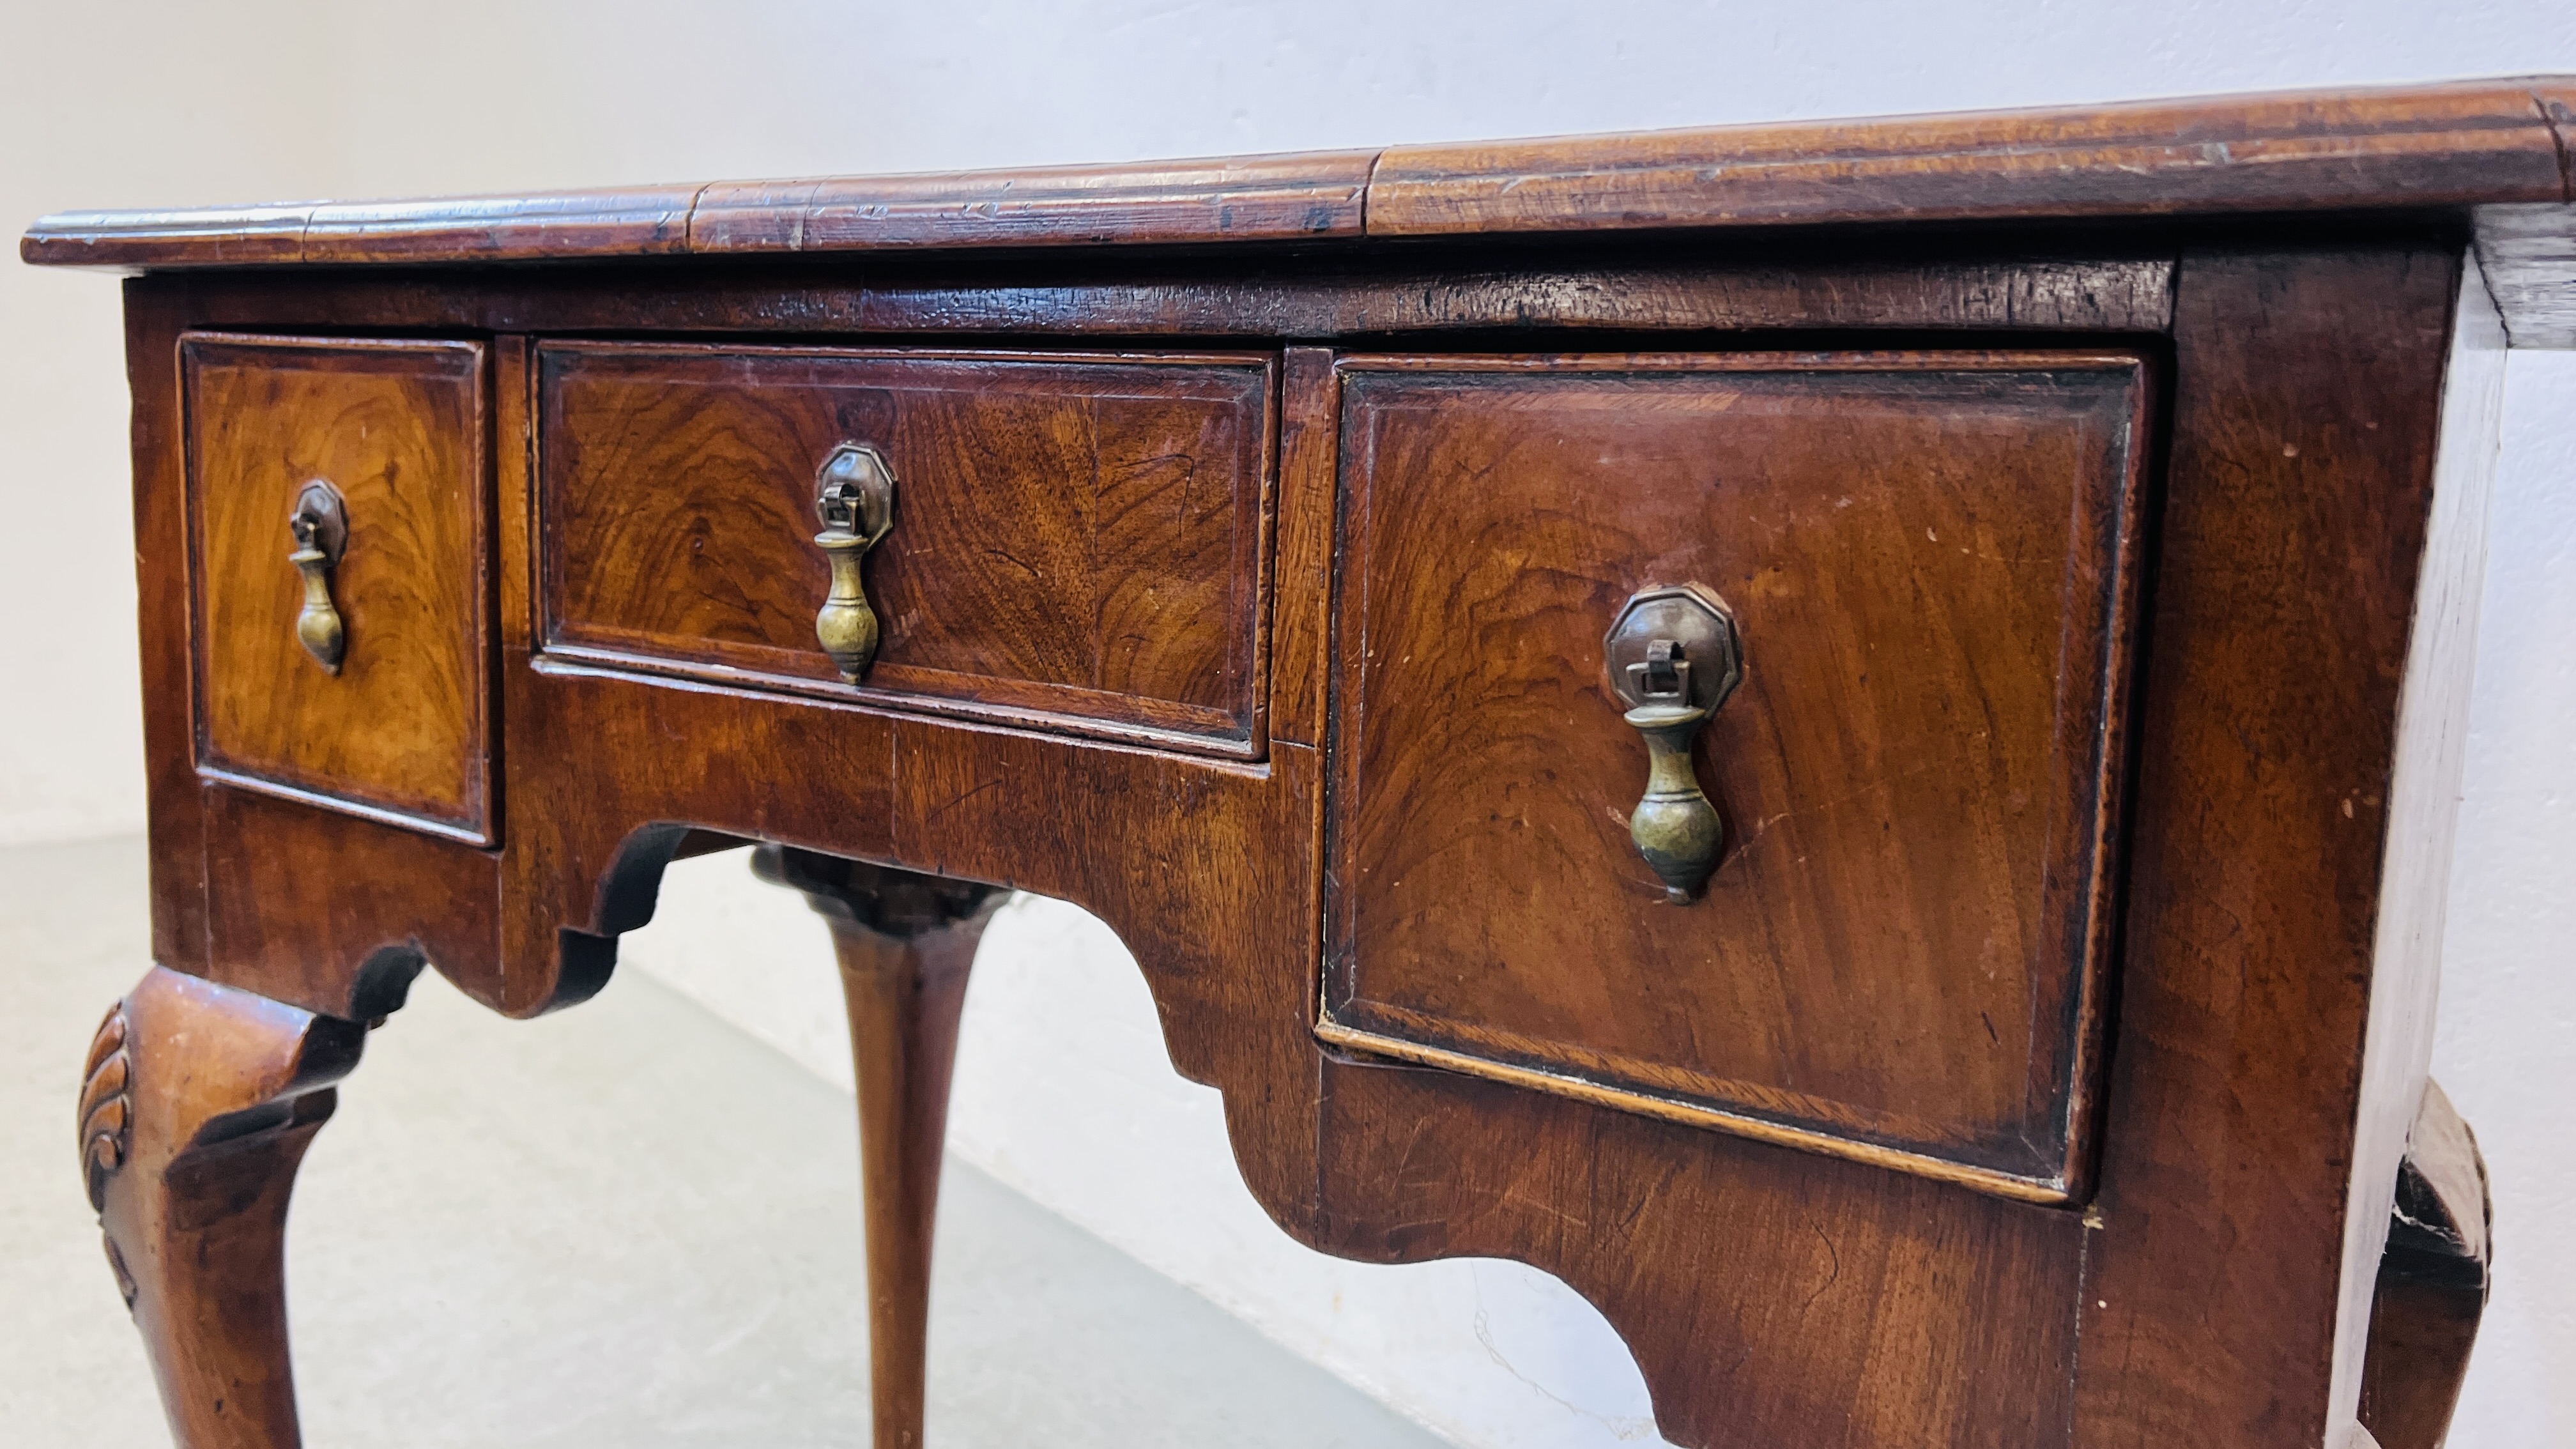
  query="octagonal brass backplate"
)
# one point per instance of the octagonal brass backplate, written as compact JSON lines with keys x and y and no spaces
{"x":1672,"y":657}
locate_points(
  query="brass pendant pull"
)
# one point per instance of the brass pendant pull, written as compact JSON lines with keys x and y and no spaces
{"x":854,"y":494}
{"x":320,"y":528}
{"x":1673,"y":657}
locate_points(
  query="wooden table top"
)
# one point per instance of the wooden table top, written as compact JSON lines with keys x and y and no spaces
{"x":2447,"y":147}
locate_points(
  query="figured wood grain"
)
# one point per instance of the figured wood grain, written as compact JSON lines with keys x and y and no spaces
{"x":2408,"y":147}
{"x":1078,"y":540}
{"x":2420,"y":146}
{"x":1930,"y":558}
{"x":398,"y":429}
{"x":514,"y":502}
{"x":283,"y":918}
{"x":1633,"y":292}
{"x":1772,"y":1297}
{"x":586,"y":849}
{"x":1642,"y":285}
{"x":2307,"y":395}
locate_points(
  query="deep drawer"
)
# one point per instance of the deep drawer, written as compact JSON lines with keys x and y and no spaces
{"x":1929,"y":559}
{"x":392,"y":433}
{"x":1078,"y":540}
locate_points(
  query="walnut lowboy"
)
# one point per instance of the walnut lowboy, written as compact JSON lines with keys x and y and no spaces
{"x":1842,"y":735}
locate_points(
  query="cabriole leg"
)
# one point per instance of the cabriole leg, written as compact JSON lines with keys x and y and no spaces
{"x":197,"y":1106}
{"x":905,"y":944}
{"x":2433,"y":1281}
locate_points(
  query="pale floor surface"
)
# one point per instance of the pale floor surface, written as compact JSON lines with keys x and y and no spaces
{"x":624,"y":1225}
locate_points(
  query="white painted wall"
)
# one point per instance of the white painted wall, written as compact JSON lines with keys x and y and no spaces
{"x":1063,"y":1087}
{"x":91,"y":104}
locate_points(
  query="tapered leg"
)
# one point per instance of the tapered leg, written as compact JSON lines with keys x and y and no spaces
{"x":198,"y":1104}
{"x":905,"y":944}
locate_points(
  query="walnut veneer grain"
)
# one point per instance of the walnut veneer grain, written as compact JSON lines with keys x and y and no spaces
{"x":1079,"y":537}
{"x":1930,"y":558}
{"x":2098,"y":586}
{"x":397,"y":427}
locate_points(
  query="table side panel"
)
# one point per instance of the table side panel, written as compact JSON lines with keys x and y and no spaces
{"x":155,"y":318}
{"x":2308,"y":392}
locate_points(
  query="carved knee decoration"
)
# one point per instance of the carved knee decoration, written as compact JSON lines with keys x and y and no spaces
{"x":198,"y":1103}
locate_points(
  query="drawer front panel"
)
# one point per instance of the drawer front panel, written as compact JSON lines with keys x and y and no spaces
{"x":396,"y":431}
{"x":1077,"y":541}
{"x":1928,"y":562}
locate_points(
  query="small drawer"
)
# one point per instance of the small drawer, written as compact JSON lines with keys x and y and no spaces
{"x":1077,"y":541}
{"x":1928,"y":560}
{"x":337,"y":501}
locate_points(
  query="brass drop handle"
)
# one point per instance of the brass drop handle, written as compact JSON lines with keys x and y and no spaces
{"x":320,"y":527}
{"x":1673,"y":657}
{"x":854,"y":495}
